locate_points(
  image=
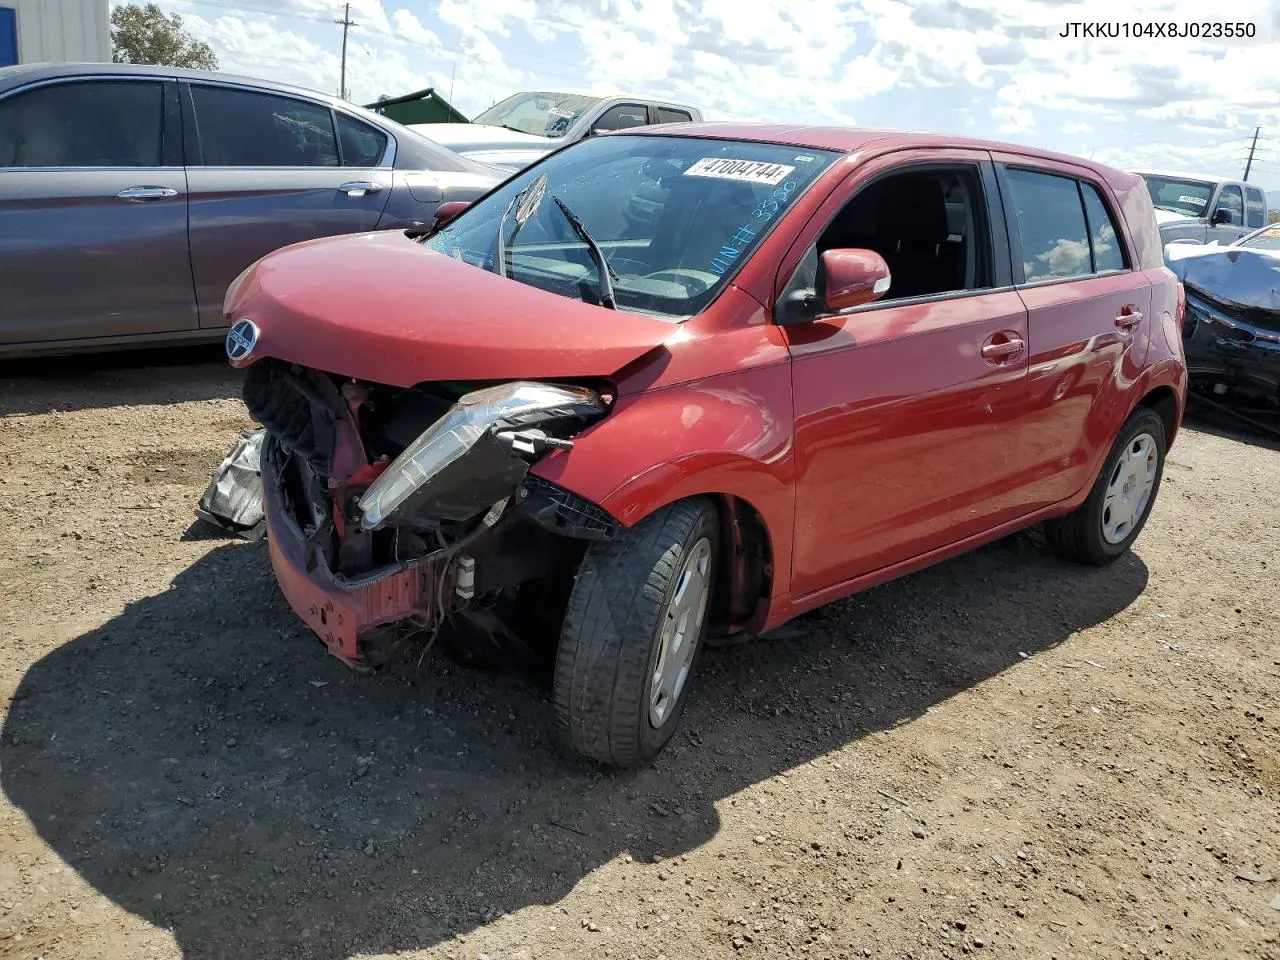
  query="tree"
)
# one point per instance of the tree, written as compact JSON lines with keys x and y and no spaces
{"x":147,"y":35}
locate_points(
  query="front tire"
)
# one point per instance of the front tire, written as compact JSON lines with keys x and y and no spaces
{"x":633,"y":632}
{"x":1103,"y":527}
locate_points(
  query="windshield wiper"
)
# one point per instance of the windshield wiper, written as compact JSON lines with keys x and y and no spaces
{"x":607,"y":273}
{"x":525,"y":203}
{"x":500,"y":249}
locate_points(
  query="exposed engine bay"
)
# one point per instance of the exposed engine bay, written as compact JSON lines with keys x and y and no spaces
{"x":422,"y":497}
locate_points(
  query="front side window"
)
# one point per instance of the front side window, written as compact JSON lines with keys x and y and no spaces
{"x":540,"y":114}
{"x":674,"y":217}
{"x":1051,"y":225}
{"x":1231,"y":201}
{"x":244,"y":128}
{"x":1103,"y":235}
{"x":91,"y":123}
{"x":1187,"y":197}
{"x":362,"y":145}
{"x":1255,"y":205}
{"x":929,"y":224}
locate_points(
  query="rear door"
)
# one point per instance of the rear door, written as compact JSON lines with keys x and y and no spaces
{"x":1088,"y":319}
{"x":266,"y":170}
{"x":93,"y":223}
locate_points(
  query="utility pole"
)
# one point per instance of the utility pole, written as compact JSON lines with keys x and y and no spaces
{"x":347,"y":23}
{"x":1249,"y":163}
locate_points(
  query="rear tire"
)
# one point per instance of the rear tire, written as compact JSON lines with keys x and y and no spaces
{"x":633,"y":633}
{"x":1104,"y":527}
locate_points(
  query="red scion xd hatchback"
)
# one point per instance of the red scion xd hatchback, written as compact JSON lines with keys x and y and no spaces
{"x":677,"y":385}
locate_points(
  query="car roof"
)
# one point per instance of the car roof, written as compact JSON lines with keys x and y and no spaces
{"x":25,"y":73}
{"x":604,"y":95}
{"x":1172,"y":175}
{"x":848,"y":139}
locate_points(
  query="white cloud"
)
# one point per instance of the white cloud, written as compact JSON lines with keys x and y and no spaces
{"x":1003,"y":61}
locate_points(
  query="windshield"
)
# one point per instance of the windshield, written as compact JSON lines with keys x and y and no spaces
{"x":1268,"y":238}
{"x":673,"y":216}
{"x":1181,"y":196}
{"x":541,"y":114}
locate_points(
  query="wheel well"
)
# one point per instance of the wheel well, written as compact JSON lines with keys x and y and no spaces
{"x":748,"y":572}
{"x":1163,"y":401}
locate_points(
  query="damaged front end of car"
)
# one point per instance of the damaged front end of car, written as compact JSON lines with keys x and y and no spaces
{"x":391,"y":508}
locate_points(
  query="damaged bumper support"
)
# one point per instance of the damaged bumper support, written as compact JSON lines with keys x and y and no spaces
{"x":339,"y":609}
{"x":366,"y":533}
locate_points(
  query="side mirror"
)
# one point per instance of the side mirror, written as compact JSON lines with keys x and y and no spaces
{"x":448,"y":211}
{"x":1221,"y":215}
{"x":851,"y":278}
{"x":847,"y":278}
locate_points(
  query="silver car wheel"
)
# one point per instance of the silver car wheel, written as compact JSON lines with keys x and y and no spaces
{"x":1129,"y":489}
{"x":681,"y":630}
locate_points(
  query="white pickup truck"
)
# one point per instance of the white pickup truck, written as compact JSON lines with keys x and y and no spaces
{"x":1201,"y":209}
{"x":518,"y":130}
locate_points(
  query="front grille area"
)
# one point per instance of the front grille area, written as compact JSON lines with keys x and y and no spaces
{"x":289,"y":401}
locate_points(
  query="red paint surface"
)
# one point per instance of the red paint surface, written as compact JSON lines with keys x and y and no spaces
{"x":383,"y":308}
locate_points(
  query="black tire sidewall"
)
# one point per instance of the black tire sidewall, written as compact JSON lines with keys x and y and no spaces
{"x":652,"y":739}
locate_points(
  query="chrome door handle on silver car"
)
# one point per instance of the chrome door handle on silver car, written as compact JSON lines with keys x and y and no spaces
{"x":146,"y":193}
{"x":358,"y":188}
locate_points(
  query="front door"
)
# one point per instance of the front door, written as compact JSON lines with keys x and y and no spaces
{"x":266,"y":170}
{"x":1088,"y":317}
{"x":93,"y":223}
{"x":1229,"y":209}
{"x":907,"y":409}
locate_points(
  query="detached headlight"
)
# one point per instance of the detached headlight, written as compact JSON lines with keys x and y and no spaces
{"x":460,"y":465}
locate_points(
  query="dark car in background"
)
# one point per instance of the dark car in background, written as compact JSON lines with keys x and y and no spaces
{"x":131,"y":196}
{"x":1232,"y":323}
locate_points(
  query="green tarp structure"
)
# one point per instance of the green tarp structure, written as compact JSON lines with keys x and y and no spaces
{"x":424,"y":106}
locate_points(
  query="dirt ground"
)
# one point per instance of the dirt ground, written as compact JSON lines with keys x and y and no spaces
{"x":1003,"y":755}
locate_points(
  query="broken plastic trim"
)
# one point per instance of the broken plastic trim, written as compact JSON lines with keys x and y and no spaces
{"x":475,"y":454}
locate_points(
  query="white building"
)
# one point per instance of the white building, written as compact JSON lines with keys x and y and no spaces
{"x":36,"y":31}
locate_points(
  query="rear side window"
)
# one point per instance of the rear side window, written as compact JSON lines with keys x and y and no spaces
{"x":1255,"y":205}
{"x":1103,"y":235}
{"x":101,"y":123}
{"x":1051,"y":225}
{"x":669,"y":115}
{"x":362,"y":145}
{"x":243,"y":128}
{"x":623,"y":117}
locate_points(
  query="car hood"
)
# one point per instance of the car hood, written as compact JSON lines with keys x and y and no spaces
{"x":383,"y":308}
{"x":481,"y":137}
{"x":1236,"y":276}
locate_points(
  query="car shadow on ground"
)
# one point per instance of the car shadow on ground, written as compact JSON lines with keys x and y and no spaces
{"x":201,"y":762}
{"x":1260,"y":428}
{"x":101,"y":380}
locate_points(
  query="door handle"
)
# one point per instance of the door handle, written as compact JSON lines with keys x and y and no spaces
{"x":146,"y":193}
{"x":358,"y":188}
{"x":1003,"y":350}
{"x":1128,"y":318}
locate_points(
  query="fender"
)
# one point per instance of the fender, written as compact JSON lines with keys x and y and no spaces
{"x":729,"y":435}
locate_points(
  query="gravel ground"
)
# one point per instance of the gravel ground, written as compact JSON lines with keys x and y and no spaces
{"x":1003,"y":755}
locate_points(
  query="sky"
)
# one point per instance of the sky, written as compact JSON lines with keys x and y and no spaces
{"x":997,"y":69}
